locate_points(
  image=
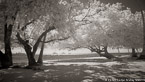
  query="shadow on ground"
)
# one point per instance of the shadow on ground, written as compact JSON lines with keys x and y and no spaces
{"x":101,"y":72}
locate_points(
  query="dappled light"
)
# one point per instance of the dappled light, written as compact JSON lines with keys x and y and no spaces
{"x":72,"y":41}
{"x":77,"y":72}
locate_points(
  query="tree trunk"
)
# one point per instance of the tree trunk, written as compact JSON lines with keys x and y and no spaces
{"x":28,"y":48}
{"x":31,"y":60}
{"x":134,"y":54}
{"x":118,"y":50}
{"x":137,"y":50}
{"x":40,"y":59}
{"x":106,"y":54}
{"x":7,"y":57}
{"x":99,"y":50}
{"x":95,"y":49}
{"x":102,"y":52}
{"x":3,"y":60}
{"x":142,"y":56}
{"x":35,"y":47}
{"x":128,"y":50}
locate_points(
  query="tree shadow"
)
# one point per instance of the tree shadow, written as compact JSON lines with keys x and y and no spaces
{"x":71,"y":73}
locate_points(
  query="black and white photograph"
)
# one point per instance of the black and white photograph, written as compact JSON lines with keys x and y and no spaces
{"x":72,"y":40}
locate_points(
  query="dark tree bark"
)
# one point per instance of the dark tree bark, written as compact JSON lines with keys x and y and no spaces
{"x":134,"y":54}
{"x":3,"y":60}
{"x":31,"y":60}
{"x":40,"y":59}
{"x":9,"y":20}
{"x":95,"y":49}
{"x":106,"y":54}
{"x":28,"y":48}
{"x":99,"y":50}
{"x":103,"y":52}
{"x":7,"y":42}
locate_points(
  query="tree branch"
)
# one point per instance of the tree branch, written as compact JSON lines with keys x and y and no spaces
{"x":25,"y":26}
{"x":20,"y":39}
{"x":87,"y":13}
{"x":35,"y":47}
{"x":55,"y":40}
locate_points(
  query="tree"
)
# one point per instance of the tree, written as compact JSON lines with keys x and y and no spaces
{"x":8,"y":15}
{"x":20,"y":13}
{"x":111,"y":27}
{"x":12,"y":10}
{"x":94,"y":26}
{"x":135,"y":6}
{"x":28,"y":48}
{"x":125,"y":30}
{"x":56,"y":18}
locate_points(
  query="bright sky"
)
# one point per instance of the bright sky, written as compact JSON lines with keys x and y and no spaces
{"x":49,"y":51}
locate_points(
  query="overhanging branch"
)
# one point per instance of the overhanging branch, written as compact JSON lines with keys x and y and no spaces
{"x":35,"y":47}
{"x":60,"y":39}
{"x":25,"y":26}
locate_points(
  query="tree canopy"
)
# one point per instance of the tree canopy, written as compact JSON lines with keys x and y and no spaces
{"x":109,"y":24}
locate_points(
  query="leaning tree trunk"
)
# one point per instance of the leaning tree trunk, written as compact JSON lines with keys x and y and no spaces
{"x":35,"y":47}
{"x":40,"y":59}
{"x":102,"y":52}
{"x":134,"y":54}
{"x":142,"y":56}
{"x":106,"y":54}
